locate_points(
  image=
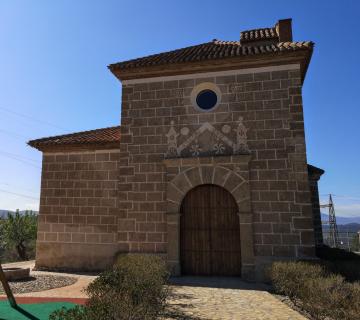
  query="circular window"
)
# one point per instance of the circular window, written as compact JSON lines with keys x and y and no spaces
{"x":206,"y":99}
{"x":206,"y":96}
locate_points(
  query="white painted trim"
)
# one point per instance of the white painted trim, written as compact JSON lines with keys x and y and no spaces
{"x":214,"y":74}
{"x":82,"y":152}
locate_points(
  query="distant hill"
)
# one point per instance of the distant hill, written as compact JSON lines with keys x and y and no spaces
{"x":4,"y":213}
{"x":344,"y":224}
{"x":349,"y":227}
{"x":342,"y":220}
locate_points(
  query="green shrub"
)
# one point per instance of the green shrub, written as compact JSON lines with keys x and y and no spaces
{"x":318,"y":294}
{"x":288,"y":277}
{"x":76,"y":313}
{"x":87,"y":312}
{"x":134,"y":289}
{"x":331,"y":297}
{"x":321,"y":294}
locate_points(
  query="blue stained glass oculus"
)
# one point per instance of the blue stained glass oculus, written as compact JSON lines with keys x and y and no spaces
{"x":206,"y":99}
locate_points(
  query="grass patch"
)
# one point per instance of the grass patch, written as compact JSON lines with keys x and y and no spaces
{"x":39,"y":311}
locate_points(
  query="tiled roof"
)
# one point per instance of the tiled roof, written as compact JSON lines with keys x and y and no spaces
{"x":258,"y":34}
{"x":102,"y":136}
{"x":215,"y":49}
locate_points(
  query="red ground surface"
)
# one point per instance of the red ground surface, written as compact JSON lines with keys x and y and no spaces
{"x":22,"y":300}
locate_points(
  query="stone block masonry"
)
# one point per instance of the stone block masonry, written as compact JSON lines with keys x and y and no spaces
{"x":78,"y":209}
{"x":270,"y":105}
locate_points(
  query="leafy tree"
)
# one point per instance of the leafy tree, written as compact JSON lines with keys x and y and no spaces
{"x":2,"y":238}
{"x":18,"y":231}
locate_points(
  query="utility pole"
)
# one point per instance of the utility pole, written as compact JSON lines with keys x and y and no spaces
{"x":333,"y":235}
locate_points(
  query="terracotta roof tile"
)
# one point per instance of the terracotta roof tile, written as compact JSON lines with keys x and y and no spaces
{"x":92,"y":137}
{"x":213,"y":50}
{"x":259,"y":34}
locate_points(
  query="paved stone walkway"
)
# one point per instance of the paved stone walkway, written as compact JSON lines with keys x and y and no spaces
{"x":197,"y":298}
{"x":228,"y":298}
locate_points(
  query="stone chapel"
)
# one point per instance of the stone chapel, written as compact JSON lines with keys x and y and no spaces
{"x":207,"y":169}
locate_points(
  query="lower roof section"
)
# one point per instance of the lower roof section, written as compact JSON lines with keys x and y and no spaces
{"x":104,"y":138}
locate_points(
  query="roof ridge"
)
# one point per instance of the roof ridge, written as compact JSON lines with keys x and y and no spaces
{"x":259,"y":34}
{"x":258,"y":29}
{"x":218,"y":41}
{"x":215,"y":49}
{"x":114,"y":65}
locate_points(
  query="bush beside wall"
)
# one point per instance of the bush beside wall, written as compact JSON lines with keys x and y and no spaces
{"x":320,"y":293}
{"x":133,"y":289}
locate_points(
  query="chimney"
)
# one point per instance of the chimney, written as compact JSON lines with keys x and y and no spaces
{"x":284,"y":30}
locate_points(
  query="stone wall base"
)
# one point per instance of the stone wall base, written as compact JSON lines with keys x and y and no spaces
{"x":248,"y":272}
{"x":74,"y":256}
{"x":96,"y":257}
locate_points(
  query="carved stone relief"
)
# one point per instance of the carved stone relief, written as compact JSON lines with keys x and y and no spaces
{"x":207,"y":140}
{"x":172,"y":141}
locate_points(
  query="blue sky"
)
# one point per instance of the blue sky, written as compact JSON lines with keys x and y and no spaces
{"x":53,"y":75}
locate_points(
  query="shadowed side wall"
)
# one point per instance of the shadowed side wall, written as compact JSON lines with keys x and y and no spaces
{"x":77,"y":226}
{"x":314,"y":177}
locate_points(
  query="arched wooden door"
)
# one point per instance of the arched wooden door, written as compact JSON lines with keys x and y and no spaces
{"x":210,"y":233}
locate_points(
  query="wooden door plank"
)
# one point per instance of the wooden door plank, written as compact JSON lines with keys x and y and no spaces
{"x":210,"y":232}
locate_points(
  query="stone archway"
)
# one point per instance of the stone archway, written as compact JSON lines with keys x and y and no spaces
{"x":224,"y":177}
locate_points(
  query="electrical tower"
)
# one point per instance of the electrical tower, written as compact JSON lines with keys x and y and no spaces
{"x":333,"y":232}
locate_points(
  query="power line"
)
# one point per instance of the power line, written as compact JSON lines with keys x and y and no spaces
{"x":20,"y":160}
{"x":342,"y":196}
{"x":32,"y":118}
{"x":19,"y":194}
{"x":19,"y":156}
{"x":14,"y":135}
{"x":347,"y":197}
{"x":22,"y":188}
